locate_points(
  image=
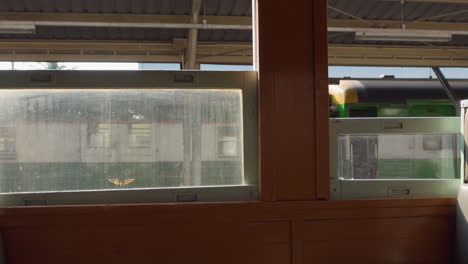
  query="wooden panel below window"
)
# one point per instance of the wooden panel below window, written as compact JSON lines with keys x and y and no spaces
{"x":389,"y":240}
{"x":236,"y":242}
{"x":367,"y":231}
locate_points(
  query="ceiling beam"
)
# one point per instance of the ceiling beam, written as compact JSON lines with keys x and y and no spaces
{"x":192,"y":41}
{"x":215,"y":20}
{"x":207,"y":52}
{"x":247,"y":60}
{"x":112,"y":45}
{"x":385,"y":55}
{"x":395,"y":24}
{"x":234,"y":53}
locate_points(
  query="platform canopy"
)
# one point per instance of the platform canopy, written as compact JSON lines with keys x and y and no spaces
{"x":398,"y":32}
{"x":190,"y":32}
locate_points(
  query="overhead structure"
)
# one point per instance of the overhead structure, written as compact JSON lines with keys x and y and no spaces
{"x":166,"y":31}
{"x":192,"y":43}
{"x":399,"y":35}
{"x":361,"y":32}
{"x":398,"y":32}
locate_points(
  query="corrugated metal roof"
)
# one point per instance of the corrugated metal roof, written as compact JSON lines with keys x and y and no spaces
{"x":165,"y":7}
{"x":161,"y":7}
{"x":365,"y":9}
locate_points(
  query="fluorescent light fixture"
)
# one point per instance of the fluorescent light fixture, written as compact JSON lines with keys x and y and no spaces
{"x":17,"y":27}
{"x":399,"y":35}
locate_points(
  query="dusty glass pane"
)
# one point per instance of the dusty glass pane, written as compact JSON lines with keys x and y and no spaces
{"x":58,"y":140}
{"x":399,"y":156}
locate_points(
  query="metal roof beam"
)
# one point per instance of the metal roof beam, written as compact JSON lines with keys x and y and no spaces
{"x":386,"y":55}
{"x":126,"y":20}
{"x":113,"y":51}
{"x":191,"y":51}
{"x":395,"y":24}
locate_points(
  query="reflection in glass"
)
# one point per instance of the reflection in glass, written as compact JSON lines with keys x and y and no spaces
{"x":62,"y":140}
{"x":399,"y":156}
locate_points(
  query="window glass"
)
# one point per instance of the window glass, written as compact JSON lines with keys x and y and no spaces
{"x":64,"y":140}
{"x":225,"y":67}
{"x":381,"y":71}
{"x":139,"y":135}
{"x":99,"y":135}
{"x":399,"y":156}
{"x":7,"y":143}
{"x":228,"y":141}
{"x":159,"y":66}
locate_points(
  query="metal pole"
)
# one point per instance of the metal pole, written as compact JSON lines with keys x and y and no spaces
{"x":191,"y":52}
{"x":448,"y":88}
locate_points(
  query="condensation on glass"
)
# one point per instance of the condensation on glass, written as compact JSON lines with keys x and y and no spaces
{"x":434,"y":156}
{"x":71,"y":140}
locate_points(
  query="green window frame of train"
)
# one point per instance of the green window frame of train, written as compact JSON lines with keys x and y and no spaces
{"x":245,"y":81}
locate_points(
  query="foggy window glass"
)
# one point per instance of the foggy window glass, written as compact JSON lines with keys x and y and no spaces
{"x":7,"y":143}
{"x":62,"y":140}
{"x":228,"y":141}
{"x":399,"y":156}
{"x":139,"y":135}
{"x":99,"y":135}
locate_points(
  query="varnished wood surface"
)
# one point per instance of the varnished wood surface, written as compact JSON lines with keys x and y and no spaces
{"x":250,"y":211}
{"x":371,"y":231}
{"x":288,"y":154}
{"x":322,"y":114}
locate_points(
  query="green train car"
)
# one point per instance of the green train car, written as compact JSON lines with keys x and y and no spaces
{"x":66,"y":140}
{"x":375,"y":153}
{"x":393,"y":98}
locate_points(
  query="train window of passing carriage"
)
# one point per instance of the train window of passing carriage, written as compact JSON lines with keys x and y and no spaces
{"x":113,"y":137}
{"x":99,"y":135}
{"x":398,"y":156}
{"x":228,"y":141}
{"x":7,"y":143}
{"x":140,"y":135}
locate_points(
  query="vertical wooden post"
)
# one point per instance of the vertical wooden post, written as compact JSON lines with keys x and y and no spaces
{"x":293,"y":127}
{"x":322,"y":147}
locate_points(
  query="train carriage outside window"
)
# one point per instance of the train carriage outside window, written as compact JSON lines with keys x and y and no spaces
{"x":150,"y":139}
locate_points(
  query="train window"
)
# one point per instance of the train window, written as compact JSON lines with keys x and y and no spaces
{"x":99,"y":135}
{"x":149,"y":138}
{"x":363,"y":112}
{"x":228,"y":141}
{"x":399,"y":156}
{"x":395,"y":157}
{"x":7,"y":143}
{"x":139,"y":135}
